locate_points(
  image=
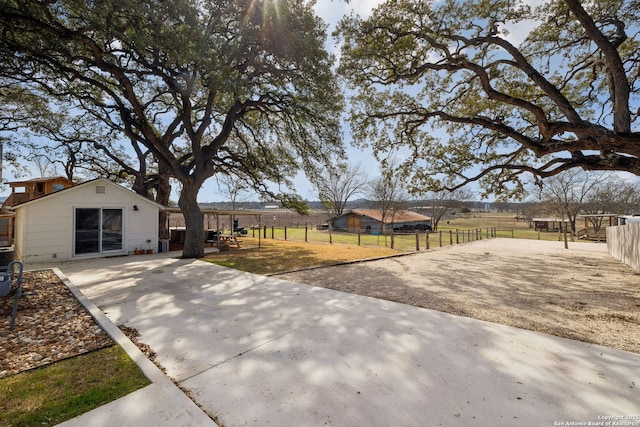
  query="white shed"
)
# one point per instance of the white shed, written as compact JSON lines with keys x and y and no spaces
{"x":94,"y":219}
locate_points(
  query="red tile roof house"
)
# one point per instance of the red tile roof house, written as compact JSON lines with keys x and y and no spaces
{"x":370,"y":220}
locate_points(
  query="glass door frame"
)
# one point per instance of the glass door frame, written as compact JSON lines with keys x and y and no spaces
{"x":101,"y":230}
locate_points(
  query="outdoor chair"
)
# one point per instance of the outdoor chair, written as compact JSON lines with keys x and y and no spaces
{"x":7,"y":278}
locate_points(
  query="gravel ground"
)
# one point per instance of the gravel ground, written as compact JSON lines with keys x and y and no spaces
{"x":580,"y":293}
{"x":51,"y":325}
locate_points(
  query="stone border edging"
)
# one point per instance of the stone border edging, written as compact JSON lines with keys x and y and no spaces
{"x":150,"y":370}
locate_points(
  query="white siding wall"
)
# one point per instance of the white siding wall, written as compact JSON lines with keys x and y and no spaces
{"x":47,"y":231}
{"x":47,"y":224}
{"x":141,"y":225}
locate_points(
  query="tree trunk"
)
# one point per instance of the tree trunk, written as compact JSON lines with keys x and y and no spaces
{"x":163,"y":226}
{"x":194,"y":221}
{"x":163,"y":193}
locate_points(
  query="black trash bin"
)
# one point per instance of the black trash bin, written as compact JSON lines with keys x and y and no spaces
{"x":7,"y":254}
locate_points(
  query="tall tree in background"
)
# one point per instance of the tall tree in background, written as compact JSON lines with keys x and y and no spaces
{"x":446,"y":201}
{"x":85,"y":150}
{"x":445,"y":81}
{"x":233,"y":188}
{"x":17,"y":107}
{"x":43,"y":130}
{"x":614,"y":195}
{"x":567,"y":193}
{"x":611,"y":196}
{"x":337,"y":185}
{"x":388,"y":194}
{"x":205,"y":87}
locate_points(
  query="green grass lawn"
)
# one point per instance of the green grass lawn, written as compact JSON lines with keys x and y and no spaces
{"x":505,"y":225}
{"x":54,"y":393}
{"x":452,"y":231}
{"x":309,"y":247}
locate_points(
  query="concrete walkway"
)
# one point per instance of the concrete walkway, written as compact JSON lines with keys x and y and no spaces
{"x":255,"y":350}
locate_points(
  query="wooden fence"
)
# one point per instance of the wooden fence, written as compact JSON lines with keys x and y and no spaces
{"x":400,"y":241}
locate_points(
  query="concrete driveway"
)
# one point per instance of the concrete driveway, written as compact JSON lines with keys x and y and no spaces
{"x":256,"y":350}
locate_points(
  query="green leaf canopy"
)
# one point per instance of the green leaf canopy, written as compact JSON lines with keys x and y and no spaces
{"x":241,"y":87}
{"x":449,"y":82}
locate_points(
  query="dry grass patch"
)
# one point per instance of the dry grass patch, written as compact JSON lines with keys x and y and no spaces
{"x":276,"y":256}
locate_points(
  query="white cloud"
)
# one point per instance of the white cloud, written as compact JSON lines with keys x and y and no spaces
{"x":519,"y":31}
{"x":331,"y":11}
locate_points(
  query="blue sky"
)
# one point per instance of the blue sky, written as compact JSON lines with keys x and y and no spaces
{"x":331,"y":11}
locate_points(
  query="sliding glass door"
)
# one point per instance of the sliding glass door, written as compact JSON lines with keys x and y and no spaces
{"x":97,"y":230}
{"x":87,"y":232}
{"x":111,"y":230}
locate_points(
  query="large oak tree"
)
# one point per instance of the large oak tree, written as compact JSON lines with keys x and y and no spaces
{"x":446,"y":81}
{"x":220,"y":86}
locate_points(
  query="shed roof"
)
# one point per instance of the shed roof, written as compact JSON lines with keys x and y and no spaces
{"x":397,"y":217}
{"x":39,"y":180}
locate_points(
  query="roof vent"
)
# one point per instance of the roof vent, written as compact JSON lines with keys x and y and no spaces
{"x":101,"y":189}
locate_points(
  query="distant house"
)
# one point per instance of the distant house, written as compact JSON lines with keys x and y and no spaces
{"x":23,"y":191}
{"x":370,"y":220}
{"x":93,"y":219}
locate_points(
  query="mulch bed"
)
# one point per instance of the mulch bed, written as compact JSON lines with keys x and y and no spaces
{"x":51,"y":325}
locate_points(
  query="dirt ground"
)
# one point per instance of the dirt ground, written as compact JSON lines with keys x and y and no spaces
{"x":580,"y":293}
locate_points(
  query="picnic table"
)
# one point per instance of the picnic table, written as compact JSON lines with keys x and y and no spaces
{"x":213,"y":237}
{"x":230,"y":239}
